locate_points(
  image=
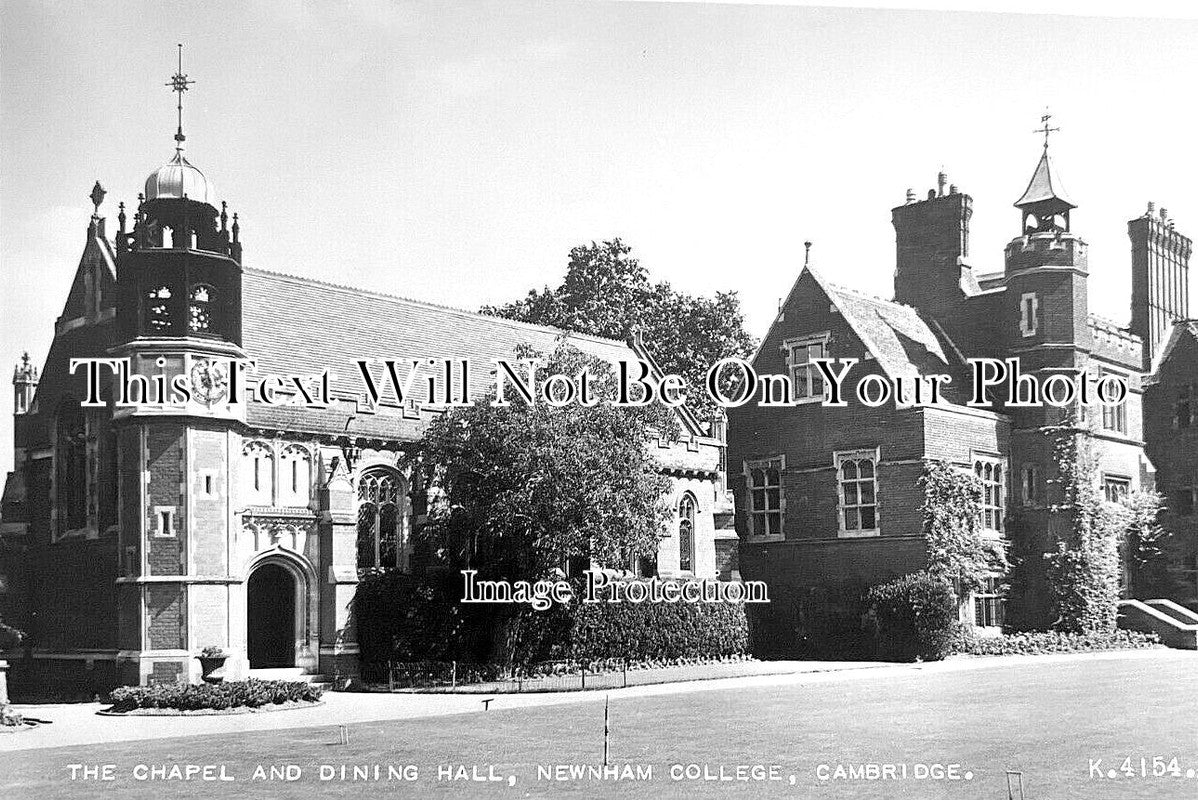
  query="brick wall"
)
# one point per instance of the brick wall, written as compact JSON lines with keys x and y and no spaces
{"x":164,"y":461}
{"x":167,"y":616}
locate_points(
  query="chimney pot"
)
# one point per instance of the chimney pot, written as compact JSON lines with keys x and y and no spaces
{"x":1151,"y":209}
{"x":910,"y":196}
{"x":941,"y":180}
{"x":931,"y":194}
{"x":1164,"y":213}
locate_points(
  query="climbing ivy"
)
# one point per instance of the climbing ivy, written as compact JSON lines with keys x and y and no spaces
{"x":1083,"y":567}
{"x":952,"y":509}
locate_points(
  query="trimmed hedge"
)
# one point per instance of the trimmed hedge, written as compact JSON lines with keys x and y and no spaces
{"x":1042,"y":642}
{"x":915,"y":617}
{"x":657,"y":631}
{"x":219,"y":696}
{"x":403,"y":618}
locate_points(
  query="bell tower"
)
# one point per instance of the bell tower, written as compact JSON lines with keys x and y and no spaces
{"x":1046,"y":273}
{"x":179,"y":269}
{"x":179,"y":283}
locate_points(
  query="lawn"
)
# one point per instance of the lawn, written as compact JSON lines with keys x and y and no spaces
{"x":1047,"y":719}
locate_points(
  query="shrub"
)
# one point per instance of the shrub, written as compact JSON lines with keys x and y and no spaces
{"x":10,"y":637}
{"x":220,"y":696}
{"x":423,"y":619}
{"x":915,"y":617}
{"x":1041,"y":642}
{"x":656,"y":631}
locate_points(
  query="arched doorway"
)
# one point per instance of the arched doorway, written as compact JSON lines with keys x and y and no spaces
{"x":270,"y":611}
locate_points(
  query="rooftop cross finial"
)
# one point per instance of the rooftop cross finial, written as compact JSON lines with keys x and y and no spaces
{"x":1044,"y":118}
{"x":179,"y":84}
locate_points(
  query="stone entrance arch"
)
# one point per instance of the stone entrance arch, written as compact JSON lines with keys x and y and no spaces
{"x":279,"y":606}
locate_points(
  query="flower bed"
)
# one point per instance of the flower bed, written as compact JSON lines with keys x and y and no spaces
{"x":1041,"y":642}
{"x":227,"y":697}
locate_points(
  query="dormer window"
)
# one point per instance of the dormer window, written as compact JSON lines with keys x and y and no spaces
{"x":807,"y":380}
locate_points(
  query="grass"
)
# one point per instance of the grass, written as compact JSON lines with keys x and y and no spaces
{"x":1046,"y":719}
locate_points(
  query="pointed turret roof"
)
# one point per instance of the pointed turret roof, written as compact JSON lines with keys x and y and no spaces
{"x":1044,"y":185}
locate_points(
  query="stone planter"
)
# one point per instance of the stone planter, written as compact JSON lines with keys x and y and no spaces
{"x":212,"y":668}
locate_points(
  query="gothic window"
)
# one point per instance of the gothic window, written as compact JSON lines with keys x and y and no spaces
{"x":857,"y":476}
{"x":990,"y":473}
{"x":686,"y":533}
{"x":382,"y":500}
{"x":805,"y":376}
{"x":1114,"y":418}
{"x":258,"y":474}
{"x":199,"y":313}
{"x":70,"y":462}
{"x":1115,"y":488}
{"x":158,"y":311}
{"x":765,"y":497}
{"x":1183,"y":411}
{"x":294,"y":476}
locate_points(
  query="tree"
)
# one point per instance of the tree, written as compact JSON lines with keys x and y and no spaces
{"x":1148,"y":558}
{"x":606,"y":292}
{"x":522,"y":488}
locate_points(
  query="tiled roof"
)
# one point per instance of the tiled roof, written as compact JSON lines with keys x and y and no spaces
{"x":294,"y":325}
{"x":901,"y":341}
{"x":1044,"y":185}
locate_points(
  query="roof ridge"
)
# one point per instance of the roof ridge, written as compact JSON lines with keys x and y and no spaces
{"x":867,"y":296}
{"x":428,"y":304}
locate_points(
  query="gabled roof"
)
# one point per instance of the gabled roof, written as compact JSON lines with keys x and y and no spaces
{"x":1182,"y":327}
{"x":903,"y":343}
{"x":1044,"y":185}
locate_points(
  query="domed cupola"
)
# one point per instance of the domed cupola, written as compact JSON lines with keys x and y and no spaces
{"x":179,"y":269}
{"x":178,"y":179}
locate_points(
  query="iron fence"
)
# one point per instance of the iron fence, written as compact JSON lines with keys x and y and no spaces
{"x":549,"y":676}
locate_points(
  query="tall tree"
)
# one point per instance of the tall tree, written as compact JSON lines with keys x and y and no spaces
{"x":524,"y":487}
{"x":606,"y":292}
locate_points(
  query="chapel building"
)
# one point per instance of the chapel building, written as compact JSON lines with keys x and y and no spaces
{"x":135,"y":535}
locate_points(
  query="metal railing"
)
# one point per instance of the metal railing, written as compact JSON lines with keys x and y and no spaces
{"x":548,"y":676}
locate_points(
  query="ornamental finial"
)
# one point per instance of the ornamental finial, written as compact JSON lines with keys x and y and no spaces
{"x":179,"y":84}
{"x":1044,"y":118}
{"x":97,"y":197}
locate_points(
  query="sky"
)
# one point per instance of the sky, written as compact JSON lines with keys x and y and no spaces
{"x":455,"y":152}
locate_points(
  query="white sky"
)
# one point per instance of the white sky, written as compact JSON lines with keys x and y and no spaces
{"x":454,"y":152}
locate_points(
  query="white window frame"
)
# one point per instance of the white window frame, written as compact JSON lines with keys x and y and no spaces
{"x":991,"y":593}
{"x":259,"y":495}
{"x":811,"y":373}
{"x":169,"y":531}
{"x":1029,"y":313}
{"x":1110,"y":479}
{"x":978,"y":460}
{"x":686,"y":498}
{"x":778,"y":463}
{"x":1116,"y":414}
{"x":838,"y":460}
{"x":290,"y":469}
